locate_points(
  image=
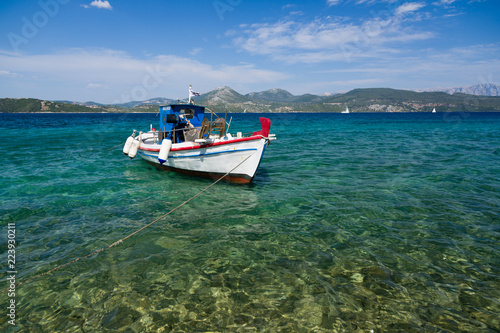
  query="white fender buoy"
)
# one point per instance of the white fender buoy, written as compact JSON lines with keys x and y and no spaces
{"x":128,"y":143}
{"x":166,"y":145}
{"x":135,"y":146}
{"x":127,"y":146}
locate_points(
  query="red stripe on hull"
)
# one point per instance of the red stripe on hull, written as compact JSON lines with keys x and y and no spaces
{"x":235,"y":178}
{"x":207,"y":145}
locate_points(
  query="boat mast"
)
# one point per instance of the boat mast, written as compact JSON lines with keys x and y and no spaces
{"x":191,"y":94}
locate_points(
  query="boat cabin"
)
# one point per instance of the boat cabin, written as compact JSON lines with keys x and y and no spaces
{"x":187,"y":122}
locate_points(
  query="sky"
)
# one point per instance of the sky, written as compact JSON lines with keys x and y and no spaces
{"x":116,"y":51}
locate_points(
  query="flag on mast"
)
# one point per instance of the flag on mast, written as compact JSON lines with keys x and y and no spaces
{"x":192,"y":93}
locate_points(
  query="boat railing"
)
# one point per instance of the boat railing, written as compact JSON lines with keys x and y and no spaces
{"x":174,"y":133}
{"x":189,"y":133}
{"x":205,"y":131}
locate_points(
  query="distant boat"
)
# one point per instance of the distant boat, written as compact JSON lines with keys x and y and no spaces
{"x":434,"y":110}
{"x":346,"y":110}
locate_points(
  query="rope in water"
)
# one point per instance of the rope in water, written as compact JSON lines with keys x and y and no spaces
{"x":134,"y":233}
{"x":121,"y":144}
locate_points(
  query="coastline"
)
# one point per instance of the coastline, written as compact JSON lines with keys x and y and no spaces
{"x":272,"y":112}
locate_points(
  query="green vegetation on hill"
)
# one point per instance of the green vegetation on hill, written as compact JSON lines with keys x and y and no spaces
{"x":31,"y":105}
{"x":20,"y":105}
{"x":392,"y":100}
{"x":277,"y":100}
{"x":358,"y":100}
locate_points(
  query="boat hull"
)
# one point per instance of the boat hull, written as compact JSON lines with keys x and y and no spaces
{"x":236,"y":159}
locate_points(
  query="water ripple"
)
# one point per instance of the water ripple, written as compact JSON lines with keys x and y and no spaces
{"x":385,"y":222}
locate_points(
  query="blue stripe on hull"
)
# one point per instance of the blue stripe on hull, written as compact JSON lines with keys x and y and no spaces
{"x":201,"y":154}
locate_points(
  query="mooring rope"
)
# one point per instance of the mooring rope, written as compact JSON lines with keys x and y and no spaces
{"x":135,"y":232}
{"x":121,"y":144}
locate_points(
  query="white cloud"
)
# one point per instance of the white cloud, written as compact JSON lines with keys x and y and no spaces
{"x":114,"y":75}
{"x":452,"y":67}
{"x":8,"y":74}
{"x":99,"y":4}
{"x":371,"y":2}
{"x":328,"y":39}
{"x":444,"y":2}
{"x":332,"y":2}
{"x":195,"y":51}
{"x":409,"y":7}
{"x":8,"y":52}
{"x":97,"y":86}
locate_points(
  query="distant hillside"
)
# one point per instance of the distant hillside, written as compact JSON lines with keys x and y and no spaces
{"x":487,"y":89}
{"x":484,"y":89}
{"x":152,"y":101}
{"x":222,"y":95}
{"x":279,"y":100}
{"x":392,"y":100}
{"x":358,"y":100}
{"x":31,"y":105}
{"x":273,"y":95}
{"x":283,"y":96}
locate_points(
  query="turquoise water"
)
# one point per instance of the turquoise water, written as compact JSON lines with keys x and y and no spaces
{"x":354,"y":222}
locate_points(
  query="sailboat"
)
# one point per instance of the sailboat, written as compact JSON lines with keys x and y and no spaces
{"x":346,"y":110}
{"x":434,"y":110}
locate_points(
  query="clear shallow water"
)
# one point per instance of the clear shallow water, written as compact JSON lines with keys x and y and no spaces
{"x":384,"y":222}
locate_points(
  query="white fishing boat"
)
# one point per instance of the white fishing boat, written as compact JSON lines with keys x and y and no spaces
{"x":193,"y":140}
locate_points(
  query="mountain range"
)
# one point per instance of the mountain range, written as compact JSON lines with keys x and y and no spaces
{"x":279,"y":100}
{"x":483,"y":89}
{"x":365,"y":100}
{"x":358,"y":100}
